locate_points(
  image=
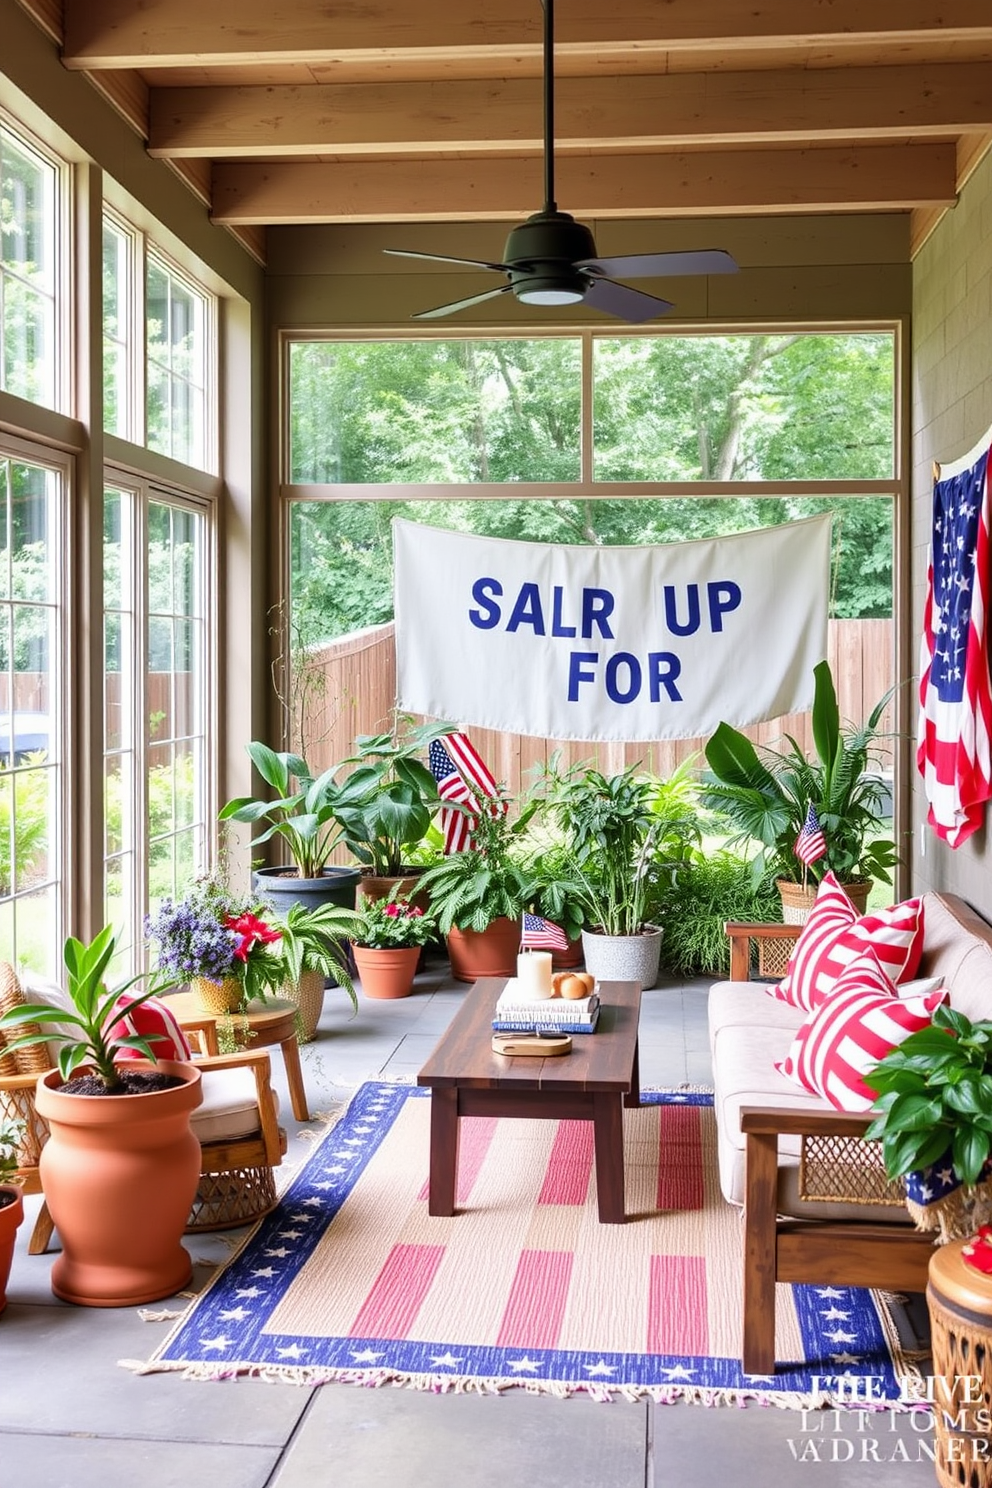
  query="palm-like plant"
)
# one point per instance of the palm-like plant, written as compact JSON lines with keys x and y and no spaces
{"x":767,"y":793}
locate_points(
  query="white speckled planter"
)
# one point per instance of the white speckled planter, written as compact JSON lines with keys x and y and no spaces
{"x":623,"y":958}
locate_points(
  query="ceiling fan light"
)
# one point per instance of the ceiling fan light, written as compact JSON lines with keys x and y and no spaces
{"x":549,"y":296}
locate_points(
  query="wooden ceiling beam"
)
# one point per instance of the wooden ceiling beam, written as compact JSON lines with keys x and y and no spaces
{"x":601,"y":113}
{"x":169,"y":33}
{"x":704,"y":183}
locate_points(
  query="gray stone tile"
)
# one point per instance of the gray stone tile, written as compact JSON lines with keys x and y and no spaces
{"x":402,"y":1438}
{"x":40,"y":1461}
{"x":763,"y":1445}
{"x":61,"y":1374}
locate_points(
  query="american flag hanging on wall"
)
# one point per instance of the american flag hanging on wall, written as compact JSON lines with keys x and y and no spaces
{"x":955,"y":722}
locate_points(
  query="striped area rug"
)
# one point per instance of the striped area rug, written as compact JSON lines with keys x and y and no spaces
{"x":351,"y":1279}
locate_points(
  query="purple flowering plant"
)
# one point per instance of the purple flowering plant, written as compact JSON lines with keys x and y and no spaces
{"x":213,"y":933}
{"x":390,"y":923}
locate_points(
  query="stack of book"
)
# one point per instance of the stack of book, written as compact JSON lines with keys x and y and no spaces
{"x":512,"y":1015}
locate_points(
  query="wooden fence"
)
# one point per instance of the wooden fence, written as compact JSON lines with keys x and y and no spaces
{"x":355,"y":685}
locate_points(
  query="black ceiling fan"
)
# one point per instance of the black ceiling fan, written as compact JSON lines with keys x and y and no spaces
{"x":551,"y":259}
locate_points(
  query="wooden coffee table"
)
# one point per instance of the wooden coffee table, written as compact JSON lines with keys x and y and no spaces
{"x":592,"y":1083}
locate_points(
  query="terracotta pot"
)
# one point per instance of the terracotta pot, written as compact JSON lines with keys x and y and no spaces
{"x":308,"y":994}
{"x":11,"y":1216}
{"x":373,"y":888}
{"x":120,"y":1173}
{"x":217,"y":997}
{"x":386,"y":972}
{"x":488,"y":953}
{"x":568,"y":959}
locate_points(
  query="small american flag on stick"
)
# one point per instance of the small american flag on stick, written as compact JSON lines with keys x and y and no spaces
{"x":539,"y":934}
{"x":811,"y":843}
{"x":462,"y":777}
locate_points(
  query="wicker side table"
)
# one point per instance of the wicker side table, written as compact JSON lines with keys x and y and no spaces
{"x":959,"y":1299}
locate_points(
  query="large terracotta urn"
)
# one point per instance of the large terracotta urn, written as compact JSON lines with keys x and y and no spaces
{"x":120,"y":1173}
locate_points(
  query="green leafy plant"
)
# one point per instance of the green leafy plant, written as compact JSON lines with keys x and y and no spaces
{"x":621,"y":834}
{"x":91,"y":1013}
{"x":392,"y":923}
{"x":697,"y":900}
{"x":312,"y":940}
{"x":396,"y":813}
{"x":934,"y":1096}
{"x":766,"y":793}
{"x":308,"y":813}
{"x":488,"y":881}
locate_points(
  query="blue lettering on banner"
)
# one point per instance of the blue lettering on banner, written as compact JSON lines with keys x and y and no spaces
{"x":488,"y":617}
{"x":623,"y":675}
{"x":731,"y":593}
{"x":527,"y":610}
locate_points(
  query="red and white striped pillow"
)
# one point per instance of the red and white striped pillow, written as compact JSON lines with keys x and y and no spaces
{"x":861,"y":1021}
{"x":834,"y":936}
{"x":151,"y":1020}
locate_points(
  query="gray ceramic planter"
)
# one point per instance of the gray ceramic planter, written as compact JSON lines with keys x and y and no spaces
{"x":624,"y":958}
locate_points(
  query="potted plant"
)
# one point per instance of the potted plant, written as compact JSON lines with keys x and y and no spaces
{"x":620,"y":832}
{"x":121,"y":1165}
{"x":384,"y":828}
{"x":312,"y":955}
{"x":225,"y":946}
{"x":307,"y":814}
{"x":933,"y":1117}
{"x":767,"y":794}
{"x":387,"y":945}
{"x":478,"y":895}
{"x":11,"y":1202}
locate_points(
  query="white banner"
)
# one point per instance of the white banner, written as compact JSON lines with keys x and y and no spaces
{"x":596,"y":643}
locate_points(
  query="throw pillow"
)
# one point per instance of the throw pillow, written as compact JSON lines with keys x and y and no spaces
{"x":151,"y":1020}
{"x":862,"y":1020}
{"x":834,"y":936}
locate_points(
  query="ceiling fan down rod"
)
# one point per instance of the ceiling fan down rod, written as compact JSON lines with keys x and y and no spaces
{"x":550,"y":205}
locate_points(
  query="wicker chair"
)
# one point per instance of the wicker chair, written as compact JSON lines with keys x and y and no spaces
{"x":240,"y":1137}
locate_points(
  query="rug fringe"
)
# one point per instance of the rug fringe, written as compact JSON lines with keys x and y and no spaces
{"x":435,"y":1384}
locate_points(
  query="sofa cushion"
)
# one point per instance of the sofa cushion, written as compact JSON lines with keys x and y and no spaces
{"x":745,"y":1076}
{"x":962,"y":959}
{"x":747,"y":1005}
{"x":834,"y":936}
{"x":861,"y":1022}
{"x":151,"y":1020}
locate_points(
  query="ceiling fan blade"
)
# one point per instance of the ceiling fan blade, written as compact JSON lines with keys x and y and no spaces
{"x":490,"y":294}
{"x":469,"y":263}
{"x":652,"y":265}
{"x":628,"y":304}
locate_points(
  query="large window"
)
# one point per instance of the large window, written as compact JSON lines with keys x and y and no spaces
{"x":583,"y":437}
{"x":32,"y":708}
{"x":159,"y":350}
{"x":158,"y":801}
{"x":29,"y":224}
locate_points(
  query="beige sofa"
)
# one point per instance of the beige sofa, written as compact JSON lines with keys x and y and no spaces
{"x":794,"y":1162}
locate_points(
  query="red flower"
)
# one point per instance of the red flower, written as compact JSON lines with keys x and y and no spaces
{"x":392,"y":910}
{"x":251,"y":931}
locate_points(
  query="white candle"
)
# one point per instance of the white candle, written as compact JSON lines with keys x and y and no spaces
{"x":534,"y":976}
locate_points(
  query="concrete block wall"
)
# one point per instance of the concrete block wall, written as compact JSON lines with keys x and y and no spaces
{"x":952,"y":409}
